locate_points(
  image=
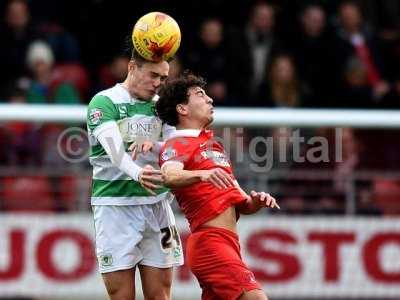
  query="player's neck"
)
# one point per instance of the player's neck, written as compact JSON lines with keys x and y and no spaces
{"x":126,"y":86}
{"x":189,"y":124}
{"x":189,"y":128}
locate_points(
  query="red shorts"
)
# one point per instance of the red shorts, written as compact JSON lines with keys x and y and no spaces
{"x":213,"y":255}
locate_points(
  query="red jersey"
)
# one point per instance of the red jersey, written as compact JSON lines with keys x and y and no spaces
{"x":197,"y":150}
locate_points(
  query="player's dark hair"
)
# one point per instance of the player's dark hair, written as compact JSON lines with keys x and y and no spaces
{"x":174,"y":92}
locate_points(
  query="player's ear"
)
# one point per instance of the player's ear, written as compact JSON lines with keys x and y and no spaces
{"x":132,"y":65}
{"x":181,"y":109}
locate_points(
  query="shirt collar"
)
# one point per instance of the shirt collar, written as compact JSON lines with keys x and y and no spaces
{"x":191,"y":133}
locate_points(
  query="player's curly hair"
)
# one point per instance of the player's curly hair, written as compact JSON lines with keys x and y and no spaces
{"x":174,"y":92}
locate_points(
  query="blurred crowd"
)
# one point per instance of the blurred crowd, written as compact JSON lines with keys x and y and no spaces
{"x":278,"y":54}
{"x":311,"y":54}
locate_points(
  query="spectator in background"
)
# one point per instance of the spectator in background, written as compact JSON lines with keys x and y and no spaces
{"x":23,"y":138}
{"x":64,"y":45}
{"x":392,"y":99}
{"x":42,"y":88}
{"x":351,"y":158}
{"x":313,"y":48}
{"x":251,"y":51}
{"x":282,"y":87}
{"x":357,"y":40}
{"x":357,"y":92}
{"x":385,"y":192}
{"x":209,"y":58}
{"x":46,"y":87}
{"x":17,"y":32}
{"x":390,"y":36}
{"x":385,"y":16}
{"x":113,"y":72}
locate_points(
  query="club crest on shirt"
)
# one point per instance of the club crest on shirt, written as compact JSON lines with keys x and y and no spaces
{"x":217,"y":157}
{"x":95,"y":115}
{"x":106,"y":260}
{"x":177,"y":252}
{"x":168,"y":153}
{"x":123,"y":111}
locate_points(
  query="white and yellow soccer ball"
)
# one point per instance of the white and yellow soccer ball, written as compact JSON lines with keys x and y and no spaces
{"x":156,"y":36}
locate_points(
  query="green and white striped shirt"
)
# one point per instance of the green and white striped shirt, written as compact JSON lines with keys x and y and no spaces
{"x":136,"y":122}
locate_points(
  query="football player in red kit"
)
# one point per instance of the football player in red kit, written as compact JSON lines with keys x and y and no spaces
{"x":199,"y":173}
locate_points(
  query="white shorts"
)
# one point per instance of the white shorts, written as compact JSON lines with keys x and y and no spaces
{"x":136,"y":234}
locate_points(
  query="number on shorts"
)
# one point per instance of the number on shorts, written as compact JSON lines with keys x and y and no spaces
{"x":169,"y":235}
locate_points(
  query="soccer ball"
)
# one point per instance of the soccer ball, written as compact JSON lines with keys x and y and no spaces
{"x":156,"y":36}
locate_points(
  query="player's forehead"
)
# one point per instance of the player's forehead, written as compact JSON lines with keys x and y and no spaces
{"x":161,"y":68}
{"x":196,"y":90}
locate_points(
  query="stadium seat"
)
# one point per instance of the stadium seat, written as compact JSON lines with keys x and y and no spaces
{"x":67,"y":192}
{"x":75,"y":74}
{"x":28,"y":194}
{"x":73,"y":192}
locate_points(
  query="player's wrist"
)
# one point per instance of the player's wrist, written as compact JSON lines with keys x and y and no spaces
{"x":140,"y":174}
{"x":257,"y":205}
{"x":252,"y":205}
{"x":202,"y":175}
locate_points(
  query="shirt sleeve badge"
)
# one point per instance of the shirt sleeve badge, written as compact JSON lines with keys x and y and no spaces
{"x":95,"y":116}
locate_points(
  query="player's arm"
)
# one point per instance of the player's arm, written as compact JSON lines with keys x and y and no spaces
{"x":255,"y":201}
{"x":175,"y":176}
{"x":111,"y":140}
{"x":101,"y":121}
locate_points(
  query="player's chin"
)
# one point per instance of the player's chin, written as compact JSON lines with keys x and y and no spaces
{"x":146,"y":95}
{"x":151,"y":94}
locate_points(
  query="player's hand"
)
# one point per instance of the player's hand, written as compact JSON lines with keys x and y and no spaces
{"x":145,"y":147}
{"x":150,"y":179}
{"x":218,"y":177}
{"x":263,"y":199}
